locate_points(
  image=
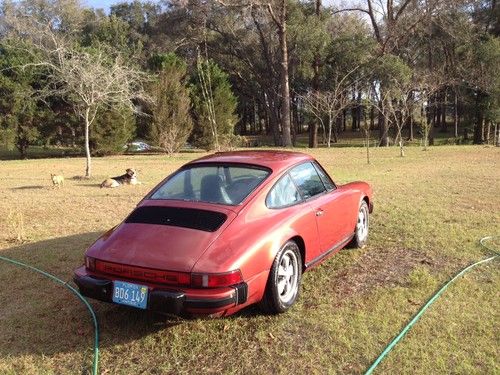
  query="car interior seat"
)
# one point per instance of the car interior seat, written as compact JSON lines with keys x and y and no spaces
{"x":211,"y":190}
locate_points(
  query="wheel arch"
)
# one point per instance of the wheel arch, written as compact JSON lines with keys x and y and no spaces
{"x":302,"y":248}
{"x":368,"y":202}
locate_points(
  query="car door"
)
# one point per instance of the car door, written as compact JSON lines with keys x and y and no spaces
{"x":327,"y":203}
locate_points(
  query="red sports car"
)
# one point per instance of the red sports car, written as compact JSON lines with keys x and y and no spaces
{"x":226,"y":231}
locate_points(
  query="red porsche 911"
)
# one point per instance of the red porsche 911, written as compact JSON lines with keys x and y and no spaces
{"x":226,"y":231}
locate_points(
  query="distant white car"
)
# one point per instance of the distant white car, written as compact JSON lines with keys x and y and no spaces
{"x":137,"y":146}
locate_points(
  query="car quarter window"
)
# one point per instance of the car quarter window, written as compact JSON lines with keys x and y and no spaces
{"x":327,"y":181}
{"x":307,"y":180}
{"x":283,"y":194}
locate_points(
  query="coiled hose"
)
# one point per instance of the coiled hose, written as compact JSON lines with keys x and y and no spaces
{"x":436,"y":295}
{"x":75,"y":292}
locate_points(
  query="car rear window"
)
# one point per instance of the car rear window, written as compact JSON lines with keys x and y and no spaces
{"x":222,"y":184}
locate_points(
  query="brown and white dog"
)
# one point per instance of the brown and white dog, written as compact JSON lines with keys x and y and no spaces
{"x":129,"y":178}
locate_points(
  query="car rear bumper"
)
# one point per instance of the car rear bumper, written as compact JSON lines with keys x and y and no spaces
{"x":167,"y":300}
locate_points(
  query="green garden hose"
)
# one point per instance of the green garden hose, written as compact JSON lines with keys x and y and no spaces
{"x":394,"y":341}
{"x":75,"y":292}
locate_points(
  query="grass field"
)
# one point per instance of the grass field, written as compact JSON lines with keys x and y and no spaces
{"x":431,"y":208}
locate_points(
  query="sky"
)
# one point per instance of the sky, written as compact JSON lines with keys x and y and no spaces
{"x":105,"y":4}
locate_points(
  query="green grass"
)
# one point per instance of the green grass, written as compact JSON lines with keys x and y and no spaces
{"x":431,"y":208}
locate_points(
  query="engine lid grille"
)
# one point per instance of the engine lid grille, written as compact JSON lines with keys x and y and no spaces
{"x":208,"y":221}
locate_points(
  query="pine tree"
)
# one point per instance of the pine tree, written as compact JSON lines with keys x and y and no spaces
{"x":214,"y":106}
{"x":114,"y":128}
{"x":172,"y":123}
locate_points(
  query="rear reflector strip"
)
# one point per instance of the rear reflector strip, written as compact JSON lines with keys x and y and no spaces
{"x":145,"y":274}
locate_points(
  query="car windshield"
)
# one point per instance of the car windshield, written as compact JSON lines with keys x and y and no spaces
{"x":223,"y":184}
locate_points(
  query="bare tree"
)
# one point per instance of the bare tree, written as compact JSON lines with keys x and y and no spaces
{"x":424,"y":89}
{"x":91,"y":78}
{"x":397,"y":107}
{"x":329,"y":103}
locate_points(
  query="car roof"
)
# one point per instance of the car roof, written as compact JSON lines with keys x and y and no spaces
{"x":273,"y":159}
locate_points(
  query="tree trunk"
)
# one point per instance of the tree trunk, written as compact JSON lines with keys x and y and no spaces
{"x":367,"y":146}
{"x":372,"y":118}
{"x":22,"y":147}
{"x":313,"y":126}
{"x":455,"y":114}
{"x":430,"y":133}
{"x":285,"y":86}
{"x":272,"y":119}
{"x":354,"y":118}
{"x":273,"y":124}
{"x":437,"y":111}
{"x":338,"y":122}
{"x":359,"y":109}
{"x":497,"y":135}
{"x":411,"y":127}
{"x":444,"y":104}
{"x":488,"y":132}
{"x":431,"y":119}
{"x":88,"y":169}
{"x":331,"y":130}
{"x":479,"y":125}
{"x":383,"y":129}
{"x":313,"y":134}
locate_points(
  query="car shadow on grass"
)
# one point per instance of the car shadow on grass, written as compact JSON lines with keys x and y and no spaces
{"x":41,"y":317}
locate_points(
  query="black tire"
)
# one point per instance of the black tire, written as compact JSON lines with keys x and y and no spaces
{"x":283,"y":287}
{"x":362,"y":227}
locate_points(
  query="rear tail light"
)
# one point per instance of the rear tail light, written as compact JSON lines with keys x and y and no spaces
{"x":195,"y":280}
{"x":215,"y":280}
{"x":90,"y":263}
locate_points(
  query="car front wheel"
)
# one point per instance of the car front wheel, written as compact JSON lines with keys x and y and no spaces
{"x":283,"y":284}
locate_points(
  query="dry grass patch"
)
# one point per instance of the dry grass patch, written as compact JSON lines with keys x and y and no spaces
{"x":431,"y":208}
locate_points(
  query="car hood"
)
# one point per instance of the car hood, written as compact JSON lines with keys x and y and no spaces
{"x":163,"y":236}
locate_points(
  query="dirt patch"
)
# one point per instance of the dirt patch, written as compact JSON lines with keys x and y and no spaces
{"x":386,"y":267}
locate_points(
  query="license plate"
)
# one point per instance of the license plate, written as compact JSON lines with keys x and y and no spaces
{"x":130,"y":294}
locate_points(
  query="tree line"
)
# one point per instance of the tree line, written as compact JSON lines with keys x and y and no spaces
{"x":209,"y":72}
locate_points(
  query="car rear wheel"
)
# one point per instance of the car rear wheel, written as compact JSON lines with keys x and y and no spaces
{"x":283,"y":284}
{"x":362,"y":224}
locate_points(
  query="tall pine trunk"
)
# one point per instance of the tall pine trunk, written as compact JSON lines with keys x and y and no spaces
{"x":313,"y":126}
{"x":285,"y":86}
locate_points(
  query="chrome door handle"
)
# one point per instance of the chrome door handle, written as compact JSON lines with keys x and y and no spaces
{"x":320,"y":212}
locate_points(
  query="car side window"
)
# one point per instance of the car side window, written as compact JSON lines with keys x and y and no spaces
{"x":307,"y":180}
{"x":283,"y":194}
{"x":327,"y":181}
